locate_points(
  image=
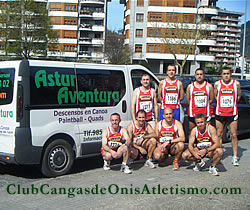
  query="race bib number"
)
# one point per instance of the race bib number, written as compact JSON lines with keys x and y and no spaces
{"x":165,"y":139}
{"x":204,"y":145}
{"x":114,"y":144}
{"x":146,"y":106}
{"x":200,"y":101}
{"x":226,"y":101}
{"x":171,"y":98}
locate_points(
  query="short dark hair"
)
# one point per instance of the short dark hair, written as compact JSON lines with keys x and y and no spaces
{"x":115,"y":113}
{"x":226,"y":68}
{"x":141,"y":111}
{"x":145,"y":75}
{"x":198,"y":116}
{"x":200,"y":69}
{"x":171,"y":64}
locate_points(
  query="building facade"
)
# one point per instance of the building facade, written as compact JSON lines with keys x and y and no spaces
{"x":227,"y":48}
{"x":81,"y":27}
{"x":141,"y":16}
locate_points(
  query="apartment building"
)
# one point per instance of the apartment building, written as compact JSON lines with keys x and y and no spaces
{"x":227,"y":48}
{"x":142,"y":15}
{"x":81,"y":27}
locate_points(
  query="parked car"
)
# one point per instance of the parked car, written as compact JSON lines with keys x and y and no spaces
{"x":244,"y":84}
{"x":243,"y":110}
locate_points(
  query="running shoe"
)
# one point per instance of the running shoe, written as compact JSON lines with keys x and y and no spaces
{"x":175,"y":165}
{"x":235,"y":161}
{"x":149,"y":164}
{"x":213,"y":171}
{"x":106,"y":165}
{"x":125,"y":169}
{"x":199,"y":165}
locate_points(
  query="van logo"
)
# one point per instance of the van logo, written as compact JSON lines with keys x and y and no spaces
{"x":66,"y":95}
{"x":6,"y":114}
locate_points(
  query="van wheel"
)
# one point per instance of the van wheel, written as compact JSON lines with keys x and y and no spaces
{"x":58,"y":159}
{"x":226,"y":135}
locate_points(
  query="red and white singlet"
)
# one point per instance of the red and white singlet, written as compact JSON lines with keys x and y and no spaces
{"x":145,"y":101}
{"x":138,"y":132}
{"x":227,"y":99}
{"x":199,"y":100}
{"x":170,"y":94}
{"x":114,"y":139}
{"x":167,"y":133}
{"x":203,"y":140}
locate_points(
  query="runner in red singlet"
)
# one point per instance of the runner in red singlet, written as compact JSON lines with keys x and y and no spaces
{"x":199,"y":96}
{"x":203,"y":142}
{"x":112,"y":144}
{"x":171,"y":139}
{"x":227,"y":93}
{"x":170,"y":93}
{"x":143,"y":138}
{"x":144,"y":97}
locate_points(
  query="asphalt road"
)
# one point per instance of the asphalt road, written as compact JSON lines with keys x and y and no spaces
{"x":89,"y":187}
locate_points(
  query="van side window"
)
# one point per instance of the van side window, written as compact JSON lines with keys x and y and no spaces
{"x":52,"y":86}
{"x":136,"y":79}
{"x":6,"y":85}
{"x":98,"y":88}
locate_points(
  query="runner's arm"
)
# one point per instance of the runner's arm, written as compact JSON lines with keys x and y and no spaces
{"x":188,"y":94}
{"x":215,"y":89}
{"x":181,"y":133}
{"x":160,"y":90}
{"x":156,"y":110}
{"x":181,"y":91}
{"x":215,"y":139}
{"x":191,"y":142}
{"x":126,"y":136}
{"x":105,"y":141}
{"x":238,"y":91}
{"x":211,"y":94}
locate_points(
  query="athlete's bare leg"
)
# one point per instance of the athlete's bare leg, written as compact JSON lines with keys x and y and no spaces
{"x":233,"y":132}
{"x":159,"y":155}
{"x":107,"y":155}
{"x":123,"y":151}
{"x":177,"y":150}
{"x":216,"y":155}
{"x":187,"y":155}
{"x":219,"y":127}
{"x":150,"y":147}
{"x":133,"y":152}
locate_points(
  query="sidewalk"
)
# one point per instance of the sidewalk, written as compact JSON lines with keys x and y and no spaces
{"x":145,"y":188}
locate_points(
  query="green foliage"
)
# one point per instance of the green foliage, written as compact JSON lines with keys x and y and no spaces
{"x":115,"y":51}
{"x":26,"y":29}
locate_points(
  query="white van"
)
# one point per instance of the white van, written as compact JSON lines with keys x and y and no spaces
{"x":53,"y":112}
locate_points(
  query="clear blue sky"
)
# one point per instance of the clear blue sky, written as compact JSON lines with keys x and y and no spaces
{"x":116,"y":11}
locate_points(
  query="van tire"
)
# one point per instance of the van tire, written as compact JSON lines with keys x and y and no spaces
{"x":58,"y":158}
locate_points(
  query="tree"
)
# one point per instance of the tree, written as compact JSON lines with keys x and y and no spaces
{"x":180,"y":36}
{"x":115,"y":51}
{"x":26,"y":29}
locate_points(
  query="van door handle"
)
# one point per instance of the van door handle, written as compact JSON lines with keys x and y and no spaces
{"x":124,"y":106}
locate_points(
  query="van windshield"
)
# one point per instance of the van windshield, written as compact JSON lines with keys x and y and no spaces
{"x":6,"y":85}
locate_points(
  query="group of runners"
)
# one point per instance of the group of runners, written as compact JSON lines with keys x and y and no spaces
{"x":155,"y":133}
